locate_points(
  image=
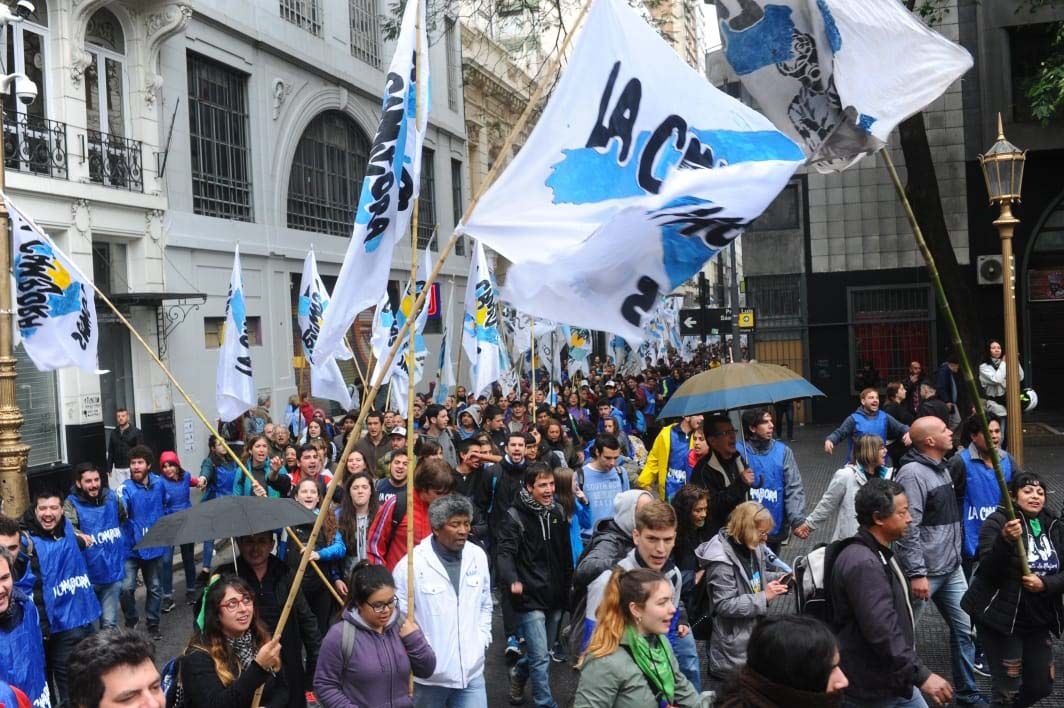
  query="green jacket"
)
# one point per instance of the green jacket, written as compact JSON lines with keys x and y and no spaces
{"x":614,"y":681}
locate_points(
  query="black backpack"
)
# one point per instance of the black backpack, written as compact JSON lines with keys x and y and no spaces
{"x":812,"y":575}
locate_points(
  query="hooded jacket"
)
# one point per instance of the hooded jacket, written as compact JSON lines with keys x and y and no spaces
{"x":534,"y":550}
{"x":377,"y":669}
{"x":457,"y":625}
{"x":932,"y":545}
{"x":610,"y":542}
{"x":737,"y":597}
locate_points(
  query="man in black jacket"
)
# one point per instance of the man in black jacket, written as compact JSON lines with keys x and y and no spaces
{"x":123,"y":438}
{"x":872,"y":610}
{"x":723,"y":472}
{"x":271,"y":580}
{"x":535,"y":563}
{"x":506,"y":479}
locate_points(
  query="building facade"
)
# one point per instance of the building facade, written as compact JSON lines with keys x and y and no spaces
{"x":166,"y":133}
{"x":832,"y":268}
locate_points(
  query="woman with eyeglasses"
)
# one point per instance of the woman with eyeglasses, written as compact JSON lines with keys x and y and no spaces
{"x":870,"y":460}
{"x":230,"y":654}
{"x":365,"y":658}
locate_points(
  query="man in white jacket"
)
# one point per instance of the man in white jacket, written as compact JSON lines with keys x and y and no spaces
{"x":452,"y":605}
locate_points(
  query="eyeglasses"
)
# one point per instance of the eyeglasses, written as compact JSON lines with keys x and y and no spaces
{"x":381,"y":607}
{"x":231,"y":605}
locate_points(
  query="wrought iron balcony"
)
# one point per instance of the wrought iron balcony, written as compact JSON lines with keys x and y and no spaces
{"x":115,"y":161}
{"x":35,"y":145}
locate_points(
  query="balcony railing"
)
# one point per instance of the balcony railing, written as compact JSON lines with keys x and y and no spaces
{"x":35,"y":145}
{"x":115,"y":161}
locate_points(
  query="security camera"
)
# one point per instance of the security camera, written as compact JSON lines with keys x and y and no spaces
{"x":25,"y":90}
{"x":24,"y":8}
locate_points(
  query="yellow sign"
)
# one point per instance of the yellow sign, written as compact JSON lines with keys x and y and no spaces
{"x":746,"y":319}
{"x":298,"y":362}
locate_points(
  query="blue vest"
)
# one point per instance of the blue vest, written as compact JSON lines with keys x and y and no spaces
{"x":981,"y":496}
{"x":22,"y":656}
{"x":868,"y":426}
{"x":106,"y":557}
{"x":69,"y":599}
{"x":679,"y":470}
{"x":144,"y":506}
{"x":768,"y":479}
{"x":175,"y":493}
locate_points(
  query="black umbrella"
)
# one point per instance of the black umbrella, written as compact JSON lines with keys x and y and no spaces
{"x":224,"y":517}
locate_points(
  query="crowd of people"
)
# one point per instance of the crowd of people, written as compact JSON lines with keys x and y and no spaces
{"x":643,"y":553}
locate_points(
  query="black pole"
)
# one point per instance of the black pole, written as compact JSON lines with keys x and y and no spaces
{"x":702,"y":288}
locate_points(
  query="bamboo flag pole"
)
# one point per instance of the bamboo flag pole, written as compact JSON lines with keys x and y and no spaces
{"x":195,"y":409}
{"x":958,"y":348}
{"x":532,"y":336}
{"x":504,"y":152}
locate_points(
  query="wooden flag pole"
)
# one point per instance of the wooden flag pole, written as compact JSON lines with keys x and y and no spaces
{"x":958,"y":348}
{"x":195,"y":409}
{"x":504,"y":152}
{"x":532,"y":336}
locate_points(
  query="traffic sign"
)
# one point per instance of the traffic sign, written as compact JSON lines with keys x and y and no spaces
{"x":713,"y":320}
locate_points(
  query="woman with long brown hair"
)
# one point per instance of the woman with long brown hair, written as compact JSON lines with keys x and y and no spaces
{"x":329,"y":553}
{"x":230,"y":654}
{"x":267,"y":471}
{"x":357,"y":509}
{"x":629,"y":663}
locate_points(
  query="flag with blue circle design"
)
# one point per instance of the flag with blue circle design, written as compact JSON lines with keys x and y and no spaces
{"x":480,"y":326}
{"x":235,"y":387}
{"x":637,"y":173}
{"x":326,"y":379}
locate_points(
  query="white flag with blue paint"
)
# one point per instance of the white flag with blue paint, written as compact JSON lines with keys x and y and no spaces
{"x":326,"y":379}
{"x":235,"y":388}
{"x":387,"y":323}
{"x":55,"y":305}
{"x":578,"y":341}
{"x":480,"y":327}
{"x":837,"y":75}
{"x":445,"y":381}
{"x":393,"y":177}
{"x":637,"y":173}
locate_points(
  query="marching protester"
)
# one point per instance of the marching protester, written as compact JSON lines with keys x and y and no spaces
{"x":439,"y":432}
{"x":67,"y":607}
{"x":870,"y":461}
{"x":386,"y":541}
{"x":667,"y":468}
{"x":394,"y":484}
{"x":221,"y":473}
{"x":473,"y":481}
{"x":97,"y":515}
{"x":1019,"y":615}
{"x":873,"y":609}
{"x":311,"y":467}
{"x":451,"y":588}
{"x":897,"y":407}
{"x":692,"y":509}
{"x":723,"y":472}
{"x":535,"y":563}
{"x":328,"y":553}
{"x":22,"y":657}
{"x":508,"y":476}
{"x":230,"y":655}
{"x":268,"y":480}
{"x":177,"y":484}
{"x":740,"y":585}
{"x":367,"y":657}
{"x":868,"y":419}
{"x":144,"y":497}
{"x":357,"y":509}
{"x":574,"y":505}
{"x":628,"y":662}
{"x":930,"y":550}
{"x":601,"y":480}
{"x":790,"y":661}
{"x":374,"y":444}
{"x":777,"y":482}
{"x":115,"y":667}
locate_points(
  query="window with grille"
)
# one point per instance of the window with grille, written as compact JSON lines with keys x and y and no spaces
{"x":775,"y":297}
{"x":457,"y":204}
{"x":427,"y":209}
{"x":37,"y":398}
{"x":365,"y":32}
{"x":454,"y":63}
{"x":889,"y":327}
{"x":305,"y":14}
{"x":218,"y":137}
{"x":327,"y":172}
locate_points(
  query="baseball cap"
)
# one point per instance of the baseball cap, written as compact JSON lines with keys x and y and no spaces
{"x":611,"y":384}
{"x":399,"y":430}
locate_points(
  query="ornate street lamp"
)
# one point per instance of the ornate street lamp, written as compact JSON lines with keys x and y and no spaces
{"x":1003,"y":171}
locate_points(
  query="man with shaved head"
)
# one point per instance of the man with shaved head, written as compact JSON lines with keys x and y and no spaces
{"x":930,"y":551}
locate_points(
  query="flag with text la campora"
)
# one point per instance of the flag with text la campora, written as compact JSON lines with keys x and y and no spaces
{"x":393,"y":177}
{"x":326,"y":379}
{"x":637,"y":173}
{"x":235,"y":387}
{"x":837,"y":76}
{"x":55,"y":306}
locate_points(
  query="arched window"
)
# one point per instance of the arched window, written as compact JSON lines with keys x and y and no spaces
{"x":105,"y":76}
{"x":327,"y":172}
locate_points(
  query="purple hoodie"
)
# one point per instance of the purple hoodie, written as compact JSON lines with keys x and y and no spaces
{"x":377,"y":671}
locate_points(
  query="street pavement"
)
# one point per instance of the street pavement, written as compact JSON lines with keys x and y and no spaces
{"x":817,"y":469}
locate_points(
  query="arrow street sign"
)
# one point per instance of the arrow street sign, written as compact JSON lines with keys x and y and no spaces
{"x":715,"y":320}
{"x":690,"y":323}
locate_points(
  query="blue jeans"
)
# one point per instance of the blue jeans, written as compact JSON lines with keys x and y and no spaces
{"x":149,"y":571}
{"x":472,"y":696}
{"x":946,"y":592}
{"x":534,"y":664}
{"x":188,"y":560}
{"x":916,"y":700}
{"x":108,"y":596}
{"x":208,"y":554}
{"x":686,"y":652}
